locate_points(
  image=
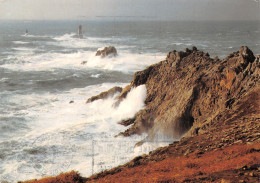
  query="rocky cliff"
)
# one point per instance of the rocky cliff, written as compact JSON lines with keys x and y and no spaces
{"x":189,"y":90}
{"x":211,"y":107}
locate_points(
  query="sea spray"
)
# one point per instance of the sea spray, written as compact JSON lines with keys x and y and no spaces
{"x":27,"y":60}
{"x":65,"y":136}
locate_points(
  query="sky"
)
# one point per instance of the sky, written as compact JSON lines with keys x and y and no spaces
{"x":130,"y":9}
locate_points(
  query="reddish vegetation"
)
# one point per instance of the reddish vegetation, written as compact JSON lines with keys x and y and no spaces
{"x":196,"y":167}
{"x":180,"y":169}
{"x":70,"y":177}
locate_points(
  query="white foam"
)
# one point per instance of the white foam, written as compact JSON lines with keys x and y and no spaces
{"x":71,"y":41}
{"x":24,"y":49}
{"x":26,"y":58}
{"x":102,"y":48}
{"x":35,"y":36}
{"x":95,"y":75}
{"x":45,"y":61}
{"x":65,"y":37}
{"x":124,"y":62}
{"x":3,"y":79}
{"x":45,"y":107}
{"x":67,"y":134}
{"x":20,"y":42}
{"x":178,"y":44}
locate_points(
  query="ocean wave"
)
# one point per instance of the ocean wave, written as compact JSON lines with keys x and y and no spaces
{"x":35,"y":36}
{"x":20,"y":42}
{"x":70,"y":138}
{"x":125,"y":62}
{"x":71,"y":41}
{"x":46,"y":61}
{"x":24,"y":49}
{"x":95,"y":75}
{"x":178,"y":44}
{"x":65,"y":37}
{"x":3,"y":79}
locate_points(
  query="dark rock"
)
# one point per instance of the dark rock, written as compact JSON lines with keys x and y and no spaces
{"x":254,"y":167}
{"x":194,"y":48}
{"x":244,"y":168}
{"x":246,"y":53}
{"x":107,"y":51}
{"x":127,"y":122}
{"x":105,"y":94}
{"x":84,"y":62}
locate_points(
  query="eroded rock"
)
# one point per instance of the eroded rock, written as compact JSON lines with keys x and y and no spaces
{"x":189,"y":91}
{"x":107,"y":51}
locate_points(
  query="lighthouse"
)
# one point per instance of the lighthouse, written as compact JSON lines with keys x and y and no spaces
{"x":80,"y":34}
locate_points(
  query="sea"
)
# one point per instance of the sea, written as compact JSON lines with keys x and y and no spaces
{"x":46,"y":77}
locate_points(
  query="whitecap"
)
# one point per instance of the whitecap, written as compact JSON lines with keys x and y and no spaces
{"x":35,"y":36}
{"x":125,"y":62}
{"x":178,"y":44}
{"x":71,"y":41}
{"x":20,"y":42}
{"x":95,"y":75}
{"x":3,"y":79}
{"x":24,"y":49}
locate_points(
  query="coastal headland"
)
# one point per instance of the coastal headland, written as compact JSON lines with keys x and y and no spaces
{"x":209,"y":107}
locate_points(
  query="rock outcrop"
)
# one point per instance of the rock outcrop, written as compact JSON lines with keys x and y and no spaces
{"x":107,"y":51}
{"x":189,"y":90}
{"x":105,"y":94}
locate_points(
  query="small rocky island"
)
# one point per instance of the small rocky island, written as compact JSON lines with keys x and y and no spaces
{"x":107,"y":52}
{"x":210,"y":106}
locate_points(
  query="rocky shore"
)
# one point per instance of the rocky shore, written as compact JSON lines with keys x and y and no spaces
{"x":210,"y":107}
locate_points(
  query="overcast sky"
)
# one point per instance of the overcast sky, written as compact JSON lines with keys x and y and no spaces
{"x":130,"y":9}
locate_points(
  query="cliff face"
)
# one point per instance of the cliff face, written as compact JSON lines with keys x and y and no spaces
{"x":189,"y":90}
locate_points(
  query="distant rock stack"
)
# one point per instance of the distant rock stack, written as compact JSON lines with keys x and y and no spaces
{"x":107,"y":51}
{"x":80,"y":34}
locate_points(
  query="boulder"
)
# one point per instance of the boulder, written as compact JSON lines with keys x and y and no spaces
{"x":107,"y":51}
